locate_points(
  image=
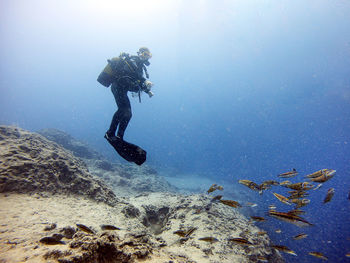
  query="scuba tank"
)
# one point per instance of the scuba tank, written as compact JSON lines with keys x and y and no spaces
{"x":107,"y":76}
{"x":115,"y":69}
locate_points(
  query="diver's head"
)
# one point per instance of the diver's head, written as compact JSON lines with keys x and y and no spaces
{"x":144,"y":54}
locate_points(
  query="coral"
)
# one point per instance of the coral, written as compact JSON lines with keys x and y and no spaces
{"x":32,"y":164}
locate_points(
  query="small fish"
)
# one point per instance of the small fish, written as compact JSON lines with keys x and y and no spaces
{"x":347,"y":255}
{"x":258,"y":218}
{"x":327,"y":172}
{"x":300,"y":202}
{"x":85,"y":228}
{"x":109,"y":227}
{"x":321,"y":179}
{"x":216,"y":198}
{"x":261,"y":233}
{"x":318,"y":255}
{"x":317,"y":187}
{"x":306,"y":186}
{"x":290,"y":218}
{"x":231,"y":203}
{"x":190,"y":231}
{"x":270,"y":182}
{"x":209,"y":239}
{"x":251,"y":204}
{"x":300,"y":186}
{"x":250,"y":184}
{"x":244,"y":182}
{"x":284,"y":249}
{"x":264,"y":187}
{"x":282,"y":198}
{"x":58,"y":236}
{"x":180,"y":233}
{"x":278,"y":231}
{"x":212,"y":188}
{"x":272,"y":207}
{"x":284,"y":183}
{"x":262,"y":259}
{"x":316,"y":174}
{"x":289,"y":174}
{"x":300,"y":236}
{"x":296,"y":212}
{"x":51,"y":241}
{"x":324,"y":177}
{"x":215,"y":187}
{"x":241,"y":241}
{"x":329,"y":195}
{"x":297,"y":194}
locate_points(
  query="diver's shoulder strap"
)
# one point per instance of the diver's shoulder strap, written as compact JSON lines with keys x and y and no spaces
{"x":126,"y":58}
{"x":145,"y":70}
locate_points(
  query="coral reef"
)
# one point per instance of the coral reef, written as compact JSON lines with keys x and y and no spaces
{"x":67,"y":225}
{"x":78,"y":148}
{"x":29,"y":163}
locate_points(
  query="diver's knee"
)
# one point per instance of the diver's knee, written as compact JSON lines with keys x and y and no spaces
{"x":127,"y":115}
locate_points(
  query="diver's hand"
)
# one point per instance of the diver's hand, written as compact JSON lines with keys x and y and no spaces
{"x":150,"y":94}
{"x":148,"y":84}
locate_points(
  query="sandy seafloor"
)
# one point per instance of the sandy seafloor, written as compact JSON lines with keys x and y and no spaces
{"x":46,"y":191}
{"x":24,"y":218}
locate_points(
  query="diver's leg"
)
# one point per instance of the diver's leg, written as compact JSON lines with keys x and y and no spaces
{"x":113,"y":127}
{"x":116,"y":117}
{"x":125,"y":111}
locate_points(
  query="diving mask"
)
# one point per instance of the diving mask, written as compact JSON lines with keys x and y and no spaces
{"x":144,"y":54}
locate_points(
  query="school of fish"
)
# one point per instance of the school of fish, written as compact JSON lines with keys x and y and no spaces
{"x":297,"y":197}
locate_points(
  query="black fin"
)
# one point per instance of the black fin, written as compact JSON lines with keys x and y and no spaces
{"x":129,"y":151}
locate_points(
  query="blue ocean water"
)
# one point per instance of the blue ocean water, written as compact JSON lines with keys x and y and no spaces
{"x":243,"y":90}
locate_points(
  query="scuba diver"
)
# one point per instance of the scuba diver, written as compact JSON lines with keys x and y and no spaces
{"x":125,"y":73}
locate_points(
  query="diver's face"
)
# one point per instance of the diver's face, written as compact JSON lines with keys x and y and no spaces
{"x":144,"y":56}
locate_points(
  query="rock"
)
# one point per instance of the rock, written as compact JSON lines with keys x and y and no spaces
{"x":159,"y":213}
{"x":68,"y":232}
{"x":131,"y":211}
{"x":104,"y":165}
{"x":163,"y":214}
{"x":126,"y":179}
{"x":157,"y":217}
{"x":50,"y":227}
{"x":106,"y":248}
{"x":29,"y":163}
{"x":56,"y":254}
{"x":78,"y":148}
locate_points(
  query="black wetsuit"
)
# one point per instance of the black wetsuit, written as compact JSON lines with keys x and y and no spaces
{"x":131,"y":80}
